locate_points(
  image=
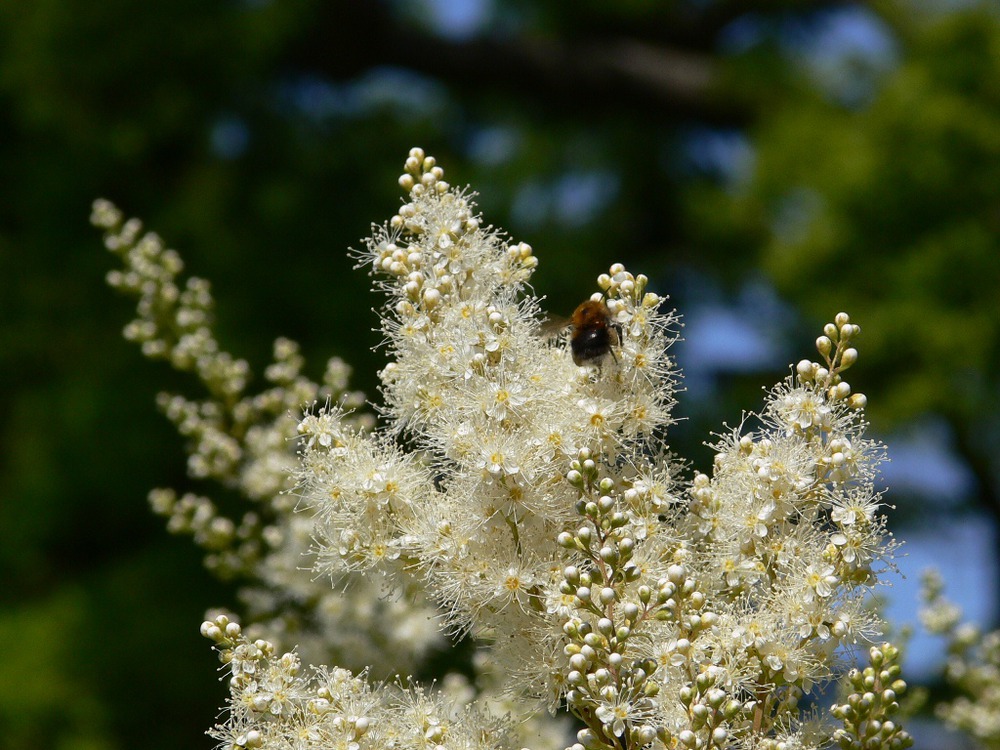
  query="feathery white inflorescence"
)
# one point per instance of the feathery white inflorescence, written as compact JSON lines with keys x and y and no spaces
{"x":537,"y":503}
{"x":245,"y":442}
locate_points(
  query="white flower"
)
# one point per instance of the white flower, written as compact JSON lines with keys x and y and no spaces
{"x":820,"y":579}
{"x":803,"y":409}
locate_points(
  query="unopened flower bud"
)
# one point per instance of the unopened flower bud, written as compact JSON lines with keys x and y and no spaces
{"x":857,"y":401}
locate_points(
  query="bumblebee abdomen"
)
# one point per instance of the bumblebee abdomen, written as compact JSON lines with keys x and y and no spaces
{"x":590,"y":344}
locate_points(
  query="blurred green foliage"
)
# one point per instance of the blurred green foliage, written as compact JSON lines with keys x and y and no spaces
{"x":891,"y":209}
{"x":262,"y":138}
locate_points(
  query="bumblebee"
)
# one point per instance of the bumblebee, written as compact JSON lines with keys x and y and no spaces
{"x":593,"y":333}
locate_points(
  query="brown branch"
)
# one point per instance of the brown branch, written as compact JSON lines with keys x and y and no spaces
{"x":591,"y":78}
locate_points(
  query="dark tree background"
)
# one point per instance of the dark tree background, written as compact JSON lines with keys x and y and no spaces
{"x":840,"y":155}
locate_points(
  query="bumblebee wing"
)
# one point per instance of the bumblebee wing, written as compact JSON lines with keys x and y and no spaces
{"x":553,"y":326}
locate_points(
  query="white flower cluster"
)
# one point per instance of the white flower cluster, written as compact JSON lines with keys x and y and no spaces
{"x":522,"y":482}
{"x":972,"y":669}
{"x":531,"y":494}
{"x":245,"y":442}
{"x":496,"y":412}
{"x":275,"y":704}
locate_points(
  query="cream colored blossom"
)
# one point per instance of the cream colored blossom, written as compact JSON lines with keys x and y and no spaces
{"x":537,"y":504}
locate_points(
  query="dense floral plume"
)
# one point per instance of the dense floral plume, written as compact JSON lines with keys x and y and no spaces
{"x":535,"y":501}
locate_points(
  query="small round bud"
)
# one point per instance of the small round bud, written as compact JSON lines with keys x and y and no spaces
{"x":587,"y":650}
{"x":432,"y":297}
{"x":676,"y":573}
{"x":645,"y":734}
{"x":824,"y":345}
{"x":715,"y":697}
